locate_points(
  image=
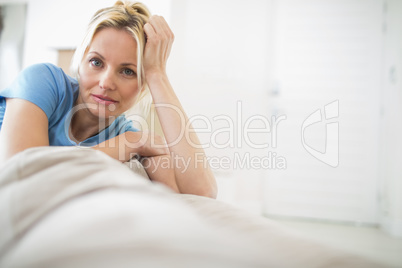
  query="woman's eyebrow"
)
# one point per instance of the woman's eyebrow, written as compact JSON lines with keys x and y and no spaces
{"x":128,"y":64}
{"x":94,"y":52}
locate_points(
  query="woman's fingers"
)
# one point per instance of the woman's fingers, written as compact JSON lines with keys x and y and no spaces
{"x":160,"y":26}
{"x":159,"y":43}
{"x":146,"y":143}
{"x":149,"y":30}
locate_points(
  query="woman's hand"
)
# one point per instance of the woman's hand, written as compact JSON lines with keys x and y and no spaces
{"x":123,"y":146}
{"x":157,"y":48}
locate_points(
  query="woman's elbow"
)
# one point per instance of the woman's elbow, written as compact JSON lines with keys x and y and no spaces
{"x":209,"y":190}
{"x":212,"y":193}
{"x":202,"y":183}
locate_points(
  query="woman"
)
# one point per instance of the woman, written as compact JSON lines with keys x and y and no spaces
{"x":123,"y":54}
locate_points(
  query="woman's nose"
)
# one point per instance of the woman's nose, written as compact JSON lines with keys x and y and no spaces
{"x":107,"y":80}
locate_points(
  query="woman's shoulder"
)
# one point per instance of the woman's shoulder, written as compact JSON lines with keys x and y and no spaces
{"x":46,"y":86}
{"x":43,"y":69}
{"x":47,"y":74}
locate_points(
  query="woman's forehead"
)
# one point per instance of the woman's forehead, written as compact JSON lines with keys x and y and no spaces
{"x":114,"y":43}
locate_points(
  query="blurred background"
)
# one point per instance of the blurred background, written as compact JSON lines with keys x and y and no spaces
{"x":297,"y":102}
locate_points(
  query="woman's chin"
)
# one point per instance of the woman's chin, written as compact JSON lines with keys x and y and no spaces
{"x":104,"y":114}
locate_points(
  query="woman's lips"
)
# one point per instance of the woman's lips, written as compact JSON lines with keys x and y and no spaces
{"x":105,"y":100}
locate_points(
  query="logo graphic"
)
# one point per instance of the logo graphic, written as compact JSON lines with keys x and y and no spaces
{"x":331,"y":154}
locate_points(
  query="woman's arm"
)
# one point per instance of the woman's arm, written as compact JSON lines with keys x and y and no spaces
{"x":195,"y":177}
{"x":25,"y":125}
{"x":159,"y":168}
{"x":192,"y":172}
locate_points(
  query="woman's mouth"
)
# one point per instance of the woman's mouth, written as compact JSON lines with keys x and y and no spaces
{"x":105,"y":100}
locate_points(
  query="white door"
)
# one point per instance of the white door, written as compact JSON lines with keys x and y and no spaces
{"x":327,"y":83}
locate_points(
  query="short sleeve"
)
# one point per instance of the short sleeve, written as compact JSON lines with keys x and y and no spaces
{"x":121,"y":125}
{"x":36,"y":84}
{"x":129,"y":127}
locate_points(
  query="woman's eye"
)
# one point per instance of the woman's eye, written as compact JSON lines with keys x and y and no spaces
{"x":96,"y":63}
{"x":128,"y":72}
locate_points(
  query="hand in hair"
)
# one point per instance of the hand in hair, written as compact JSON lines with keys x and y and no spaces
{"x":157,"y":48}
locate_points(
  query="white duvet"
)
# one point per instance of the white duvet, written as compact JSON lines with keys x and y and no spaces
{"x":74,"y":207}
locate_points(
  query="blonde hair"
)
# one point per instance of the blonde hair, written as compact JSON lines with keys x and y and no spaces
{"x":123,"y":15}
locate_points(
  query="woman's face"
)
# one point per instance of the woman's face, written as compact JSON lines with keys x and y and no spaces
{"x":108,"y":74}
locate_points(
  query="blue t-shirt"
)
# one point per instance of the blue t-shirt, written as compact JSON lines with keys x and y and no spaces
{"x":55,"y":93}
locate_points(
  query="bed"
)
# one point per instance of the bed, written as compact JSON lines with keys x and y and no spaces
{"x":76,"y":207}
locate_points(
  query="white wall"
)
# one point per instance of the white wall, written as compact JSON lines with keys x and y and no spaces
{"x":391,"y":128}
{"x":11,"y":43}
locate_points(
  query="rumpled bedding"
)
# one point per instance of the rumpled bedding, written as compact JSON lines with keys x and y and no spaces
{"x":76,"y":207}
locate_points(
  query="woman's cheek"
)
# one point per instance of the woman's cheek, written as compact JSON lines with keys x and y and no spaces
{"x":86,"y":79}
